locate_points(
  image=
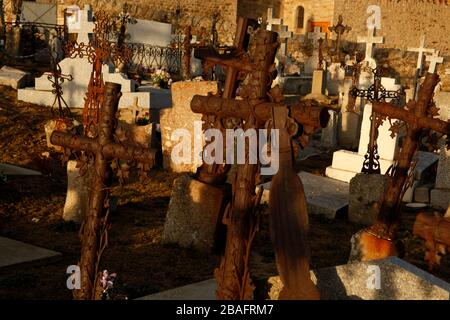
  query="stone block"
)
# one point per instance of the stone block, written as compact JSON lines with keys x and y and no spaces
{"x":193,"y":214}
{"x":365,"y":192}
{"x":14,"y":78}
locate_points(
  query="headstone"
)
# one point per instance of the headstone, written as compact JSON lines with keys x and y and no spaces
{"x":180,"y":116}
{"x":312,"y":62}
{"x":335,"y":78}
{"x":78,"y":192}
{"x":81,"y":23}
{"x":399,"y":281}
{"x":329,"y":134}
{"x":150,"y":32}
{"x":365,"y":192}
{"x":324,"y":196}
{"x":191,"y":219}
{"x":14,"y":253}
{"x":440,"y":196}
{"x":14,"y":78}
{"x":39,"y":12}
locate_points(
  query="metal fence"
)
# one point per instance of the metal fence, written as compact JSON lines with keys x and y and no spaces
{"x":147,"y":57}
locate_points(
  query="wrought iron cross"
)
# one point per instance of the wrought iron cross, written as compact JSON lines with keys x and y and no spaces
{"x":339,"y":29}
{"x":104,"y":150}
{"x":375,"y":93}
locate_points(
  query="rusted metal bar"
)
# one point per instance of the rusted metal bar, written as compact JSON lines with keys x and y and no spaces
{"x":233,"y":274}
{"x":305,"y":112}
{"x":410,"y":118}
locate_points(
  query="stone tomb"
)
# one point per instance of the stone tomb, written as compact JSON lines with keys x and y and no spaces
{"x":399,"y":280}
{"x":14,"y":78}
{"x":180,"y":116}
{"x":324,"y":196}
{"x":74,"y":91}
{"x":14,"y":253}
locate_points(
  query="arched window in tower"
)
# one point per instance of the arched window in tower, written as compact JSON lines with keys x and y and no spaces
{"x":300,"y":17}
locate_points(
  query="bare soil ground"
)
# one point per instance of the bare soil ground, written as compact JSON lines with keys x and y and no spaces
{"x":31,"y":211}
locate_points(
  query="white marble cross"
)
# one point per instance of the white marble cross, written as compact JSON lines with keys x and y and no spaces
{"x":271,"y":21}
{"x":284,"y":35}
{"x":84,"y":27}
{"x":370,"y":40}
{"x":421,"y":50}
{"x":316,"y":35}
{"x":434,"y":59}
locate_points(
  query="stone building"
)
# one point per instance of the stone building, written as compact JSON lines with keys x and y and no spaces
{"x":402,"y":21}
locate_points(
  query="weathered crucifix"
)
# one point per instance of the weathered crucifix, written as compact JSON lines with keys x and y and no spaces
{"x":376,"y":92}
{"x":419,"y":69}
{"x":339,"y":29}
{"x":101,"y":152}
{"x":377,"y":240}
{"x":260,"y":106}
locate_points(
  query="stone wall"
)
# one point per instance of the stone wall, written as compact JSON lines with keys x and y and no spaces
{"x":194,"y":12}
{"x":318,"y":11}
{"x":258,"y":8}
{"x":403,"y":22}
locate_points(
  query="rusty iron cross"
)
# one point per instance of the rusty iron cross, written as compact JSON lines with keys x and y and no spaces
{"x":339,"y":29}
{"x":258,"y":106}
{"x":104,"y":150}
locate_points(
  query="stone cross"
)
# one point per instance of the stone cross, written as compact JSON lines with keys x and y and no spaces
{"x":370,"y":40}
{"x":421,"y":51}
{"x":104,"y":150}
{"x":284,"y":35}
{"x":434,"y":59}
{"x":84,"y":27}
{"x":316,"y":35}
{"x":271,"y":21}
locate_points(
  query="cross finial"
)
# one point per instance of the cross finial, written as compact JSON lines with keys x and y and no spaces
{"x":421,"y":50}
{"x":434,"y":59}
{"x":370,"y":40}
{"x":316,"y":35}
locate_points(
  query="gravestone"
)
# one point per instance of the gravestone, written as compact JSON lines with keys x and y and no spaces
{"x":150,"y":32}
{"x":14,"y":78}
{"x":180,"y":116}
{"x":399,"y":280}
{"x":78,"y":192}
{"x":39,"y":12}
{"x":329,"y":134}
{"x":335,"y":78}
{"x":15,"y":253}
{"x":191,"y":219}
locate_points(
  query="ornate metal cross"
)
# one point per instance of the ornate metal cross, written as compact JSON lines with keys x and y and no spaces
{"x":98,"y":52}
{"x":101,"y":152}
{"x":376,"y":92}
{"x":339,"y":29}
